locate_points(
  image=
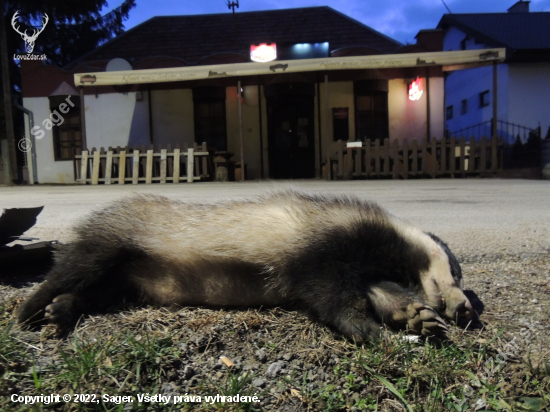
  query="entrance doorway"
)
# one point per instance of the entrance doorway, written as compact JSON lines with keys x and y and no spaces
{"x":291,"y":142}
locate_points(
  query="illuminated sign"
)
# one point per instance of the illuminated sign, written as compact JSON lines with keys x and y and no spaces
{"x":416,"y":89}
{"x":263,"y":53}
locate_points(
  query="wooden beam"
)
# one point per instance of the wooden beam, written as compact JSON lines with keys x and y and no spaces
{"x":241,"y":139}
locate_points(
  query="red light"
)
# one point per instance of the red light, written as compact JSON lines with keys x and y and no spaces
{"x":263,"y":53}
{"x":416,"y":89}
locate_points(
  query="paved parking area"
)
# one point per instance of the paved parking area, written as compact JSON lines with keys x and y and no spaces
{"x":475,"y":216}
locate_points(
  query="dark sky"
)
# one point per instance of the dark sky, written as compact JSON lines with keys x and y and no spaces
{"x":399,"y":19}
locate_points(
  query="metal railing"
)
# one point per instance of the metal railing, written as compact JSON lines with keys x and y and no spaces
{"x":509,"y":132}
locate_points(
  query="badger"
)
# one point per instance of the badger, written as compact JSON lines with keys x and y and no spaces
{"x":348,"y":263}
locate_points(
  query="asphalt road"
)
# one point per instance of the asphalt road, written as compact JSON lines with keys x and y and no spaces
{"x":475,"y":216}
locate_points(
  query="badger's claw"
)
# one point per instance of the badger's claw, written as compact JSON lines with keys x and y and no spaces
{"x":422,"y":320}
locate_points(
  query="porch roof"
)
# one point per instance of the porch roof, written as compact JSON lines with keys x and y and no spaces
{"x":449,"y":60}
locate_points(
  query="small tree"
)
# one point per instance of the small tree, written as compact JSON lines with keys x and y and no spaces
{"x":73,"y":29}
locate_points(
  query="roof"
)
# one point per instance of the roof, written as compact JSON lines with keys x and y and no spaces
{"x":192,"y":38}
{"x":516,"y":31}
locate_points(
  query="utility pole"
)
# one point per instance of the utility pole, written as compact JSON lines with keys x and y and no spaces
{"x":8,"y":146}
{"x":232,"y":5}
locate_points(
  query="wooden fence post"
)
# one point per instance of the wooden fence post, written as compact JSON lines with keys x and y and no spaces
{"x":414,"y":170}
{"x":462,"y":154}
{"x":358,"y":161}
{"x":434,"y":157}
{"x":177,"y":159}
{"x":135,"y":168}
{"x":405,"y":167}
{"x":368,"y":158}
{"x":386,"y":156}
{"x":424,"y":156}
{"x":205,"y":161}
{"x":472,"y":157}
{"x":95,"y":167}
{"x":376,"y":155}
{"x":163,"y":166}
{"x":108,"y":167}
{"x":190,"y":164}
{"x":149,"y":167}
{"x":121,"y":167}
{"x":395,"y":158}
{"x":452,"y":157}
{"x":84,"y":167}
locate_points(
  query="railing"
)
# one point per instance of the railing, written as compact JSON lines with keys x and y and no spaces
{"x":507,"y":131}
{"x":445,"y":157}
{"x":126,"y":165}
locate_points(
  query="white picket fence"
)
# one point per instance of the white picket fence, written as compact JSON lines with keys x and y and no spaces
{"x":125,"y":165}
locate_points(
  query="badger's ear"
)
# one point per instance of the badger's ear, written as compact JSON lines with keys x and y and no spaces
{"x":456,"y":271}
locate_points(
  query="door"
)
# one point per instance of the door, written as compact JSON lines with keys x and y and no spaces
{"x":291,"y":144}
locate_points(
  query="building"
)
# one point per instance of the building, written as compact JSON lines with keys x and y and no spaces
{"x":523,"y":91}
{"x":183,"y":79}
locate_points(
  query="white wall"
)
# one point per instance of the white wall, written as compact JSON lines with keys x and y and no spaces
{"x":453,"y":39}
{"x":116,"y":119}
{"x":437,"y":107}
{"x":407,"y":117}
{"x":529,"y":95}
{"x":48,"y":170}
{"x":173,"y":117}
{"x":468,"y":84}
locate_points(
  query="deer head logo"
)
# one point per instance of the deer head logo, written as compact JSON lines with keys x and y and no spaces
{"x":29,"y":40}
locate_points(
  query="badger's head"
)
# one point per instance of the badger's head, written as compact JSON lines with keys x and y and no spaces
{"x":454,"y":304}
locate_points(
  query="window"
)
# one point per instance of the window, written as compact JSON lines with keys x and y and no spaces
{"x":449,"y":112}
{"x":464,"y":106}
{"x":67,"y":132}
{"x":210,"y":123}
{"x":484,"y":99}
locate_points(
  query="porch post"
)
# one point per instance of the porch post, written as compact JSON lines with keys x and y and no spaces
{"x":428,"y":113}
{"x":241,"y":128}
{"x":261,"y":131}
{"x":83,"y":120}
{"x":495,"y":97}
{"x":327,"y":125}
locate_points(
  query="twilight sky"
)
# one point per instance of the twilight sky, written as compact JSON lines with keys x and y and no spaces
{"x":399,"y":19}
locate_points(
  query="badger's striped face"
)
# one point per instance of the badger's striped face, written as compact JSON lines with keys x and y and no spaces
{"x":445,"y":275}
{"x":456,"y":271}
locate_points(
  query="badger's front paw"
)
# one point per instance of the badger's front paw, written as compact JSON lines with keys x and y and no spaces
{"x":421,"y":319}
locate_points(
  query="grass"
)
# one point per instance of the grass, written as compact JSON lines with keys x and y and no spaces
{"x":146,"y":352}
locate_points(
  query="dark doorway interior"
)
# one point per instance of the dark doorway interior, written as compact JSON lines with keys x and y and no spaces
{"x":291,"y":144}
{"x":371,"y":109}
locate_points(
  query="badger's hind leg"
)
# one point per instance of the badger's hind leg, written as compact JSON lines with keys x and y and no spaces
{"x":400,"y":308}
{"x":85,"y":279}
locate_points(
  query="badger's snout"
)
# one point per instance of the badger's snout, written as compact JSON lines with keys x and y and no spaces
{"x":463,"y":310}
